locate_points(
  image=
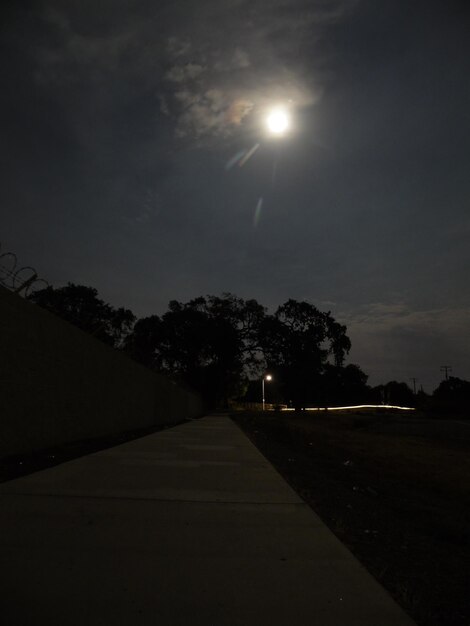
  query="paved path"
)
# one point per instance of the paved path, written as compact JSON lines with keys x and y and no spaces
{"x":188,"y":526}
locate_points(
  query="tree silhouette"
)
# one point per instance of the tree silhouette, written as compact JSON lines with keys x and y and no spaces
{"x":452,"y":395}
{"x":142,"y":342}
{"x":81,"y":306}
{"x":210,"y":343}
{"x":344,"y":385}
{"x":216,"y":344}
{"x":395,"y":393}
{"x":296,"y":342}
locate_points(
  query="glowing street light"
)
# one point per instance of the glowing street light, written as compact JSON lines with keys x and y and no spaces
{"x":268,"y":377}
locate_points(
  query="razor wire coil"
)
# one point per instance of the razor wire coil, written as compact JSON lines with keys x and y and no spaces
{"x":22,"y":279}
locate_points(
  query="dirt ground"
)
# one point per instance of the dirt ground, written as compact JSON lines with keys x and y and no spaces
{"x":393,"y":488}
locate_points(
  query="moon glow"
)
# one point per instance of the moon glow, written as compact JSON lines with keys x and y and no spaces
{"x":277,"y":122}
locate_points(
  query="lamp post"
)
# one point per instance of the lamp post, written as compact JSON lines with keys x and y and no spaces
{"x":268,"y":377}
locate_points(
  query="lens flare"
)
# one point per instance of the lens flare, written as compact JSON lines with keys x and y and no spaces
{"x":248,"y":155}
{"x":257,"y":214}
{"x":231,"y":162}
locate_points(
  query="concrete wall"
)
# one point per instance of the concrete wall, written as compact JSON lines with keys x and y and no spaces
{"x":59,"y":384}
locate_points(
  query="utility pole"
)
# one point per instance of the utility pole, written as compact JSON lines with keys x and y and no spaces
{"x":446,"y":369}
{"x":414,"y":384}
{"x":267,"y":377}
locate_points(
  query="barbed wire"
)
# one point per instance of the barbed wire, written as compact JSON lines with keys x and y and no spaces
{"x":21,"y":279}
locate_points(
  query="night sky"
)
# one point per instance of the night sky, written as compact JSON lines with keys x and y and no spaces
{"x":121,"y":121}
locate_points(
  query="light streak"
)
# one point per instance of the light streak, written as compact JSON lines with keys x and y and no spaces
{"x":357,"y":406}
{"x":257,"y":214}
{"x":248,"y":155}
{"x":230,"y":163}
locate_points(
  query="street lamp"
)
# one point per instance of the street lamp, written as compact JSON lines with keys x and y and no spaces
{"x":268,"y":377}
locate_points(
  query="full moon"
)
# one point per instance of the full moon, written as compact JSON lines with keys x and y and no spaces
{"x":277,"y":122}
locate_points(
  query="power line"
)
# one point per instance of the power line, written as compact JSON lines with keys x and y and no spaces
{"x":446,"y":369}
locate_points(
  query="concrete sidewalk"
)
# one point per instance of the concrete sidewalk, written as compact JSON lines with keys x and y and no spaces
{"x":188,"y":526}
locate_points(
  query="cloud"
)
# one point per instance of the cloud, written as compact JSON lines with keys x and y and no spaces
{"x":71,"y":54}
{"x":249,"y":54}
{"x":147,"y":206}
{"x":392,"y":316}
{"x":211,"y":66}
{"x":241,"y":59}
{"x":184,"y":73}
{"x":200,"y":97}
{"x":395,"y":341}
{"x":177,"y":47}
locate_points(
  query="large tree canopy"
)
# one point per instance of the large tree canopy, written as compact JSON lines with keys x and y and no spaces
{"x":393,"y":392}
{"x":81,"y":306}
{"x":296,"y":342}
{"x":343,"y":385}
{"x":216,"y":344}
{"x":452,"y":396}
{"x":209,"y":342}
